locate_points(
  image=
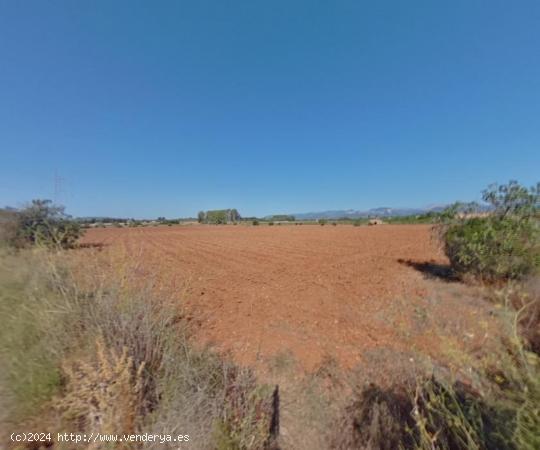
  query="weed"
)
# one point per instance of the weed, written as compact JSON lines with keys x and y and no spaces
{"x":111,"y":355}
{"x":103,"y":394}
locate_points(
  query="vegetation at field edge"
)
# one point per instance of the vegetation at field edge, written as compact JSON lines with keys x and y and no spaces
{"x":105,"y":352}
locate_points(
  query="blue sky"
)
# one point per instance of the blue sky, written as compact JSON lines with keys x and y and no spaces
{"x":165,"y":108}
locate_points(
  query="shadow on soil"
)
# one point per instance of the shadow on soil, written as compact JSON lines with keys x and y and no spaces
{"x":96,"y":245}
{"x":431,"y":269}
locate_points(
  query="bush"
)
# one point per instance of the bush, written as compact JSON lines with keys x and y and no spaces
{"x":491,"y":248}
{"x":271,"y":223}
{"x":322,"y":222}
{"x":255,"y":222}
{"x":501,"y":244}
{"x":41,"y":223}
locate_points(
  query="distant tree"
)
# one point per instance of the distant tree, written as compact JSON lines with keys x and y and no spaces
{"x":322,"y":222}
{"x":201,"y":217}
{"x":216,"y":217}
{"x":283,"y":218}
{"x":233,"y":215}
{"x":219,"y":216}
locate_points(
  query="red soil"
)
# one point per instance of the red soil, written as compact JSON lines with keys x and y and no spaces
{"x":310,"y":291}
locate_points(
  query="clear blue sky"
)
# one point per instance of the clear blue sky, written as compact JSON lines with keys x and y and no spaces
{"x":148,"y":108}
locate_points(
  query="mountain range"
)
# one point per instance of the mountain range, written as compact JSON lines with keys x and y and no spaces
{"x":374,"y":212}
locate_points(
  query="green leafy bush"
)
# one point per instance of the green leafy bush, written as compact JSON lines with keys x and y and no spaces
{"x":492,"y":248}
{"x":42,"y":223}
{"x":322,"y":222}
{"x":255,"y":222}
{"x":503,"y":243}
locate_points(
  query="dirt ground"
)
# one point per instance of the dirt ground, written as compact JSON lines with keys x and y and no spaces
{"x":312,"y":293}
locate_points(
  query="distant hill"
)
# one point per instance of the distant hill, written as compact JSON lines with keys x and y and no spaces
{"x":374,"y":212}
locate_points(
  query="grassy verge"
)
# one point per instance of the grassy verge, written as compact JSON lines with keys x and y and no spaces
{"x":493,"y":402}
{"x":90,"y":352}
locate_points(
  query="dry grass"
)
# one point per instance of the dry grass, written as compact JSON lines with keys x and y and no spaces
{"x":108,"y":353}
{"x":104,"y":394}
{"x":524,"y":299}
{"x":494,"y":404}
{"x":376,"y":419}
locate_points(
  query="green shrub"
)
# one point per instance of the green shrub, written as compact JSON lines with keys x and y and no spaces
{"x":501,"y":244}
{"x":255,"y":222}
{"x":271,"y":223}
{"x":492,"y":248}
{"x":322,"y":222}
{"x":41,"y":223}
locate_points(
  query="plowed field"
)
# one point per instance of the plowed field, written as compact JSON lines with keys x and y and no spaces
{"x":309,"y":291}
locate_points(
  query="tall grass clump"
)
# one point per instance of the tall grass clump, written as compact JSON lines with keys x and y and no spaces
{"x":95,"y":347}
{"x":492,"y":405}
{"x":29,"y":357}
{"x":500,"y":244}
{"x":376,"y":418}
{"x":503,"y":412}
